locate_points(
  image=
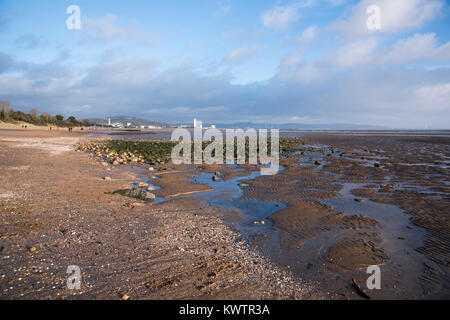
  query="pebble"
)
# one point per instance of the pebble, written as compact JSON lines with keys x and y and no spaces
{"x":107,"y":178}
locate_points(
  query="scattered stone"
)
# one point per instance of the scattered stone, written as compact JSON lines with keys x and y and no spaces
{"x":143,"y":185}
{"x":259,"y":222}
{"x":116,"y":163}
{"x":151,"y":169}
{"x":107,"y":178}
{"x":33,"y":250}
{"x":243,"y":185}
{"x":151,"y":188}
{"x":359,"y":200}
{"x":215,"y":178}
{"x":135,"y":205}
{"x":217,"y":173}
{"x":317,"y":163}
{"x":137,"y":194}
{"x":377,"y":165}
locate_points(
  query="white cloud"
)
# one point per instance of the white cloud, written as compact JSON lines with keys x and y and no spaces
{"x":107,"y":28}
{"x":291,"y":60}
{"x":433,"y":98}
{"x":417,"y":47}
{"x":396,"y":16}
{"x":239,"y":55}
{"x":353,"y":54}
{"x":309,"y":34}
{"x":280,"y":17}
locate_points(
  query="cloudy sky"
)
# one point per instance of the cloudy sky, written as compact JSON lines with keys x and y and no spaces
{"x":308,"y":61}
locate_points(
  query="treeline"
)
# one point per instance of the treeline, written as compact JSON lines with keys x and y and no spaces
{"x":8,"y":114}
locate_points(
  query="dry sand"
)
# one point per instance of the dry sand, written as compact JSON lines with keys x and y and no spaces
{"x":55,"y":212}
{"x":53,"y":199}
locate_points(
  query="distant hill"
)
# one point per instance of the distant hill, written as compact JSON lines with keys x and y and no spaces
{"x":135,"y":122}
{"x":296,"y":126}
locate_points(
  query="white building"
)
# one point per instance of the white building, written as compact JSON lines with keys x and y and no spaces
{"x":197,"y":124}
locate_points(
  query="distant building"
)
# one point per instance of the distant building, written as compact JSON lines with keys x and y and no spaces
{"x":116,"y":125}
{"x":197,"y":124}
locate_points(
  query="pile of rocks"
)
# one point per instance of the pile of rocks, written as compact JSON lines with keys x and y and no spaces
{"x":103,"y":152}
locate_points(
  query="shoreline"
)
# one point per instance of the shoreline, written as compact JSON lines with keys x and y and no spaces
{"x":180,"y":249}
{"x":322,"y":235}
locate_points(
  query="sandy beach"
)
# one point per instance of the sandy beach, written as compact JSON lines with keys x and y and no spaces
{"x":55,"y":213}
{"x":340,"y":204}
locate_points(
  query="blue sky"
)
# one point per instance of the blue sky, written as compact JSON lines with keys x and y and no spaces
{"x":309,"y":61}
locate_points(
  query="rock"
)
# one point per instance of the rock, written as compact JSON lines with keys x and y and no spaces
{"x":33,"y":250}
{"x":135,"y":205}
{"x":215,"y":178}
{"x":143,"y":185}
{"x":125,"y":297}
{"x":151,"y":188}
{"x":116,"y":163}
{"x":151,"y":169}
{"x":259,"y":222}
{"x":137,"y":194}
{"x":317,"y":163}
{"x":377,"y":165}
{"x":107,"y":178}
{"x":359,"y":200}
{"x":105,"y":164}
{"x":243,"y":185}
{"x":217,"y":173}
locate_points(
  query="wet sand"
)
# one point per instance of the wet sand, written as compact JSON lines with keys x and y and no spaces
{"x":56,"y":211}
{"x":204,"y":239}
{"x":368,"y":200}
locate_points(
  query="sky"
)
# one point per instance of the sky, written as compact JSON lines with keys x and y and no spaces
{"x":224,"y":61}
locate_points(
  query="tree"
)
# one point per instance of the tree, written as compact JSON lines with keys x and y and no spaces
{"x":59,"y":117}
{"x":45,"y":116}
{"x":5,"y":106}
{"x":34,"y":113}
{"x":72,"y":120}
{"x":6,"y":109}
